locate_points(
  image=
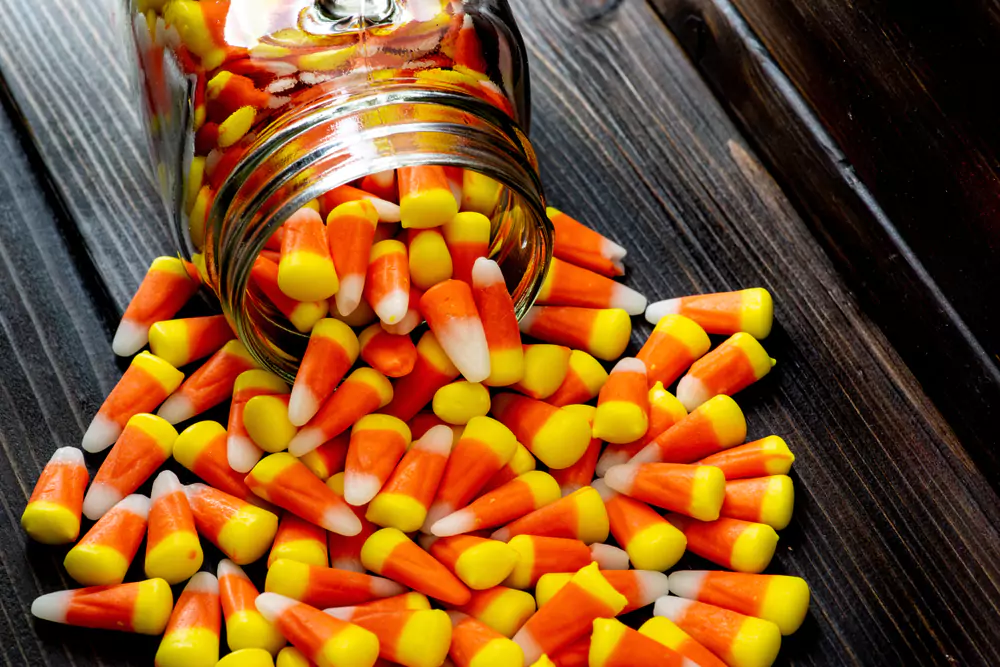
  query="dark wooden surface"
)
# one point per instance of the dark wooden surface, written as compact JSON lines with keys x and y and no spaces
{"x":895,"y":528}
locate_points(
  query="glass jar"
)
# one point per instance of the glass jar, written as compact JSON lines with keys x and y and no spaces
{"x":256,"y":108}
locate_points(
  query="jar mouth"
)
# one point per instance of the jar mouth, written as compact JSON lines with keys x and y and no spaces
{"x":338,"y":139}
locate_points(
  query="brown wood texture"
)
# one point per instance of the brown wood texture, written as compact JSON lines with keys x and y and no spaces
{"x":895,"y":529}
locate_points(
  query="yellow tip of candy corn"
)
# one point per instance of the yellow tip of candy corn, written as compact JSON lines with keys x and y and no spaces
{"x":459,"y":402}
{"x":562,"y":440}
{"x":604,"y":639}
{"x":175,"y":558}
{"x":486,"y":565}
{"x":506,"y":367}
{"x":757,"y":643}
{"x":708,"y":488}
{"x":267,"y":424}
{"x":247,"y":629}
{"x":287,"y":577}
{"x":592,"y":517}
{"x":153,"y":605}
{"x":396,"y":510}
{"x":247,"y":657}
{"x":727,"y":419}
{"x":292,"y":657}
{"x":96,"y":565}
{"x":620,"y":422}
{"x":306,"y":276}
{"x":786,"y":603}
{"x":499,"y":652}
{"x":507,"y":612}
{"x":188,"y":647}
{"x":754,"y":548}
{"x":50,"y":523}
{"x":611,"y":331}
{"x":657,"y":547}
{"x":427,"y":208}
{"x":353,"y":645}
{"x":425,"y":639}
{"x":248,"y":534}
{"x":545,"y":368}
{"x":778,"y":503}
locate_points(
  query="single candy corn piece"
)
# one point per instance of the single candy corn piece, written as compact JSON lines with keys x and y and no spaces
{"x":378,"y":442}
{"x":667,"y":633}
{"x":716,"y":425}
{"x":241,"y":452}
{"x":432,"y":371}
{"x":302,"y":314}
{"x":738,"y":545}
{"x":569,"y":614}
{"x":458,"y":402}
{"x":429,"y":259}
{"x":496,"y":310}
{"x":52,"y":515}
{"x":387,"y":210}
{"x":614,"y":644}
{"x":242,"y":531}
{"x":604,"y":333}
{"x":413,"y":638}
{"x":381,"y":184}
{"x":468,"y":238}
{"x":391,"y":553}
{"x":329,"y":458}
{"x":166,"y":287}
{"x":363,"y":392}
{"x":285,"y":481}
{"x":425,"y":198}
{"x":147,"y":381}
{"x":780,"y":599}
{"x":144,"y":445}
{"x":664,"y":411}
{"x":640,"y":587}
{"x":485,"y":446}
{"x":332,"y":350}
{"x":568,"y":285}
{"x":345,"y":551}
{"x":521,"y":462}
{"x":390,"y":354}
{"x":511,"y":501}
{"x":246,"y":628}
{"x":545,"y":368}
{"x":581,"y":473}
{"x":675,"y":343}
{"x":541,"y":555}
{"x":760,"y":458}
{"x":475,"y":644}
{"x":760,"y":499}
{"x":501,"y":608}
{"x":266,"y":421}
{"x":105,"y":553}
{"x":578,"y":244}
{"x":579,"y":516}
{"x":300,"y":541}
{"x":407,"y":495}
{"x":202,"y":449}
{"x":179,"y":342}
{"x":584,"y":378}
{"x":411,"y":320}
{"x":451,"y":314}
{"x":405,"y":602}
{"x":741,"y":641}
{"x":142,"y":607}
{"x":692,"y":490}
{"x":557,"y":437}
{"x":623,"y":405}
{"x":651,"y":542}
{"x":734,"y":365}
{"x":749,"y":310}
{"x":387,"y":283}
{"x":480,"y":193}
{"x":173,"y":550}
{"x":350,"y":229}
{"x":480,"y":563}
{"x":192,"y":635}
{"x":323,"y":639}
{"x":254,"y":657}
{"x":209,"y":385}
{"x":322,"y":586}
{"x":306,"y":271}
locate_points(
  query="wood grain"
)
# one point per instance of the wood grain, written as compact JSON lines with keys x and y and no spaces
{"x":895,"y":528}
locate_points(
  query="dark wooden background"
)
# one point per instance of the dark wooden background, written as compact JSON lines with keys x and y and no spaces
{"x":896,"y":523}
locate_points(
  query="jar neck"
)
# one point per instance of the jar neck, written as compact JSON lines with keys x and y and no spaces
{"x":338,"y":138}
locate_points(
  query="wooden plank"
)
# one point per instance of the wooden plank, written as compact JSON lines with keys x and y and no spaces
{"x":895,"y":530}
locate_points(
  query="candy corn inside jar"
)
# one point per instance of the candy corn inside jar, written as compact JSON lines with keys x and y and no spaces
{"x":308,"y":150}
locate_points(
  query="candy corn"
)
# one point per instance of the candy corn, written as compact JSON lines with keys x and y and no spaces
{"x":241,"y":452}
{"x":192,"y":635}
{"x":240,"y":530}
{"x":667,"y":633}
{"x":52,"y":515}
{"x":569,"y":614}
{"x":387,"y":210}
{"x":329,"y":458}
{"x":146,"y":383}
{"x":253,"y":657}
{"x":413,"y":638}
{"x":664,"y":411}
{"x":323,"y":639}
{"x":652,"y":542}
{"x":144,"y":445}
{"x":332,"y":350}
{"x":741,"y":641}
{"x":584,"y":379}
{"x":321,"y":586}
{"x":410,"y":321}
{"x":285,"y":481}
{"x":716,"y":425}
{"x":350,"y":229}
{"x":640,"y":587}
{"x":105,"y":553}
{"x":378,"y":442}
{"x":675,"y":343}
{"x":692,"y":490}
{"x":738,"y":545}
{"x":458,"y":402}
{"x":209,"y":385}
{"x":545,"y":368}
{"x":387,"y":283}
{"x":390,"y":553}
{"x":246,"y":628}
{"x":496,"y":310}
{"x":569,"y":285}
{"x":749,"y":310}
{"x":581,"y":473}
{"x":173,"y":551}
{"x":406,"y":602}
{"x":407,"y":495}
{"x":557,"y":437}
{"x":302,"y":314}
{"x":780,"y":599}
{"x":734,"y":365}
{"x":623,"y":405}
{"x":142,"y":607}
{"x":501,"y":608}
{"x":580,"y":245}
{"x":345,"y":551}
{"x":306,"y":271}
{"x":521,"y":462}
{"x":432,"y":371}
{"x":266,"y":421}
{"x":614,"y":644}
{"x":468,"y":238}
{"x":202,"y":449}
{"x":451,"y":314}
{"x":381,"y":184}
{"x":760,"y":499}
{"x":300,"y":541}
{"x":473,"y":643}
{"x":579,"y":516}
{"x":166,"y":287}
{"x":430,"y":261}
{"x":542,"y":555}
{"x":179,"y":342}
{"x":392,"y":355}
{"x":511,"y":501}
{"x":425,"y":199}
{"x":479,"y":193}
{"x":478,"y":562}
{"x":760,"y":458}
{"x":603,"y":333}
{"x":363,"y":392}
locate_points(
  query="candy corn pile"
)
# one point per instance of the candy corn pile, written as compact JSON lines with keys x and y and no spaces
{"x":406,"y":520}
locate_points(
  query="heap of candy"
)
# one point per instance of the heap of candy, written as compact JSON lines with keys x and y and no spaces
{"x":409,"y":494}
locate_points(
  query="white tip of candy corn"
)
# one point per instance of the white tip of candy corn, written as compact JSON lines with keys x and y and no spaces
{"x":658,"y":310}
{"x":608,"y":557}
{"x":529,"y":645}
{"x":165,"y":483}
{"x":203,"y":582}
{"x":437,"y":440}
{"x":410,"y":321}
{"x":176,"y":408}
{"x":343,"y":613}
{"x":387,"y":211}
{"x":67,"y":455}
{"x":271,"y":605}
{"x":349,"y":295}
{"x":486,"y":272}
{"x":347,"y":564}
{"x":454,"y":524}
{"x":342,"y":521}
{"x":629,"y":365}
{"x":613,"y":251}
{"x":386,"y":588}
{"x":692,"y":392}
{"x":302,"y":405}
{"x":528,"y":320}
{"x":464,"y":341}
{"x":137,"y":504}
{"x":603,"y":490}
{"x":100,"y":435}
{"x":652,"y":585}
{"x":620,"y":477}
{"x":609,"y":459}
{"x":671,"y":607}
{"x":686,"y":584}
{"x":436,"y":512}
{"x":52,"y":606}
{"x":627,"y":299}
{"x":305,"y":441}
{"x":242,"y":453}
{"x":360,"y":488}
{"x":392,"y":307}
{"x":228,"y":568}
{"x":500,"y":535}
{"x":130,"y":338}
{"x":99,"y":499}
